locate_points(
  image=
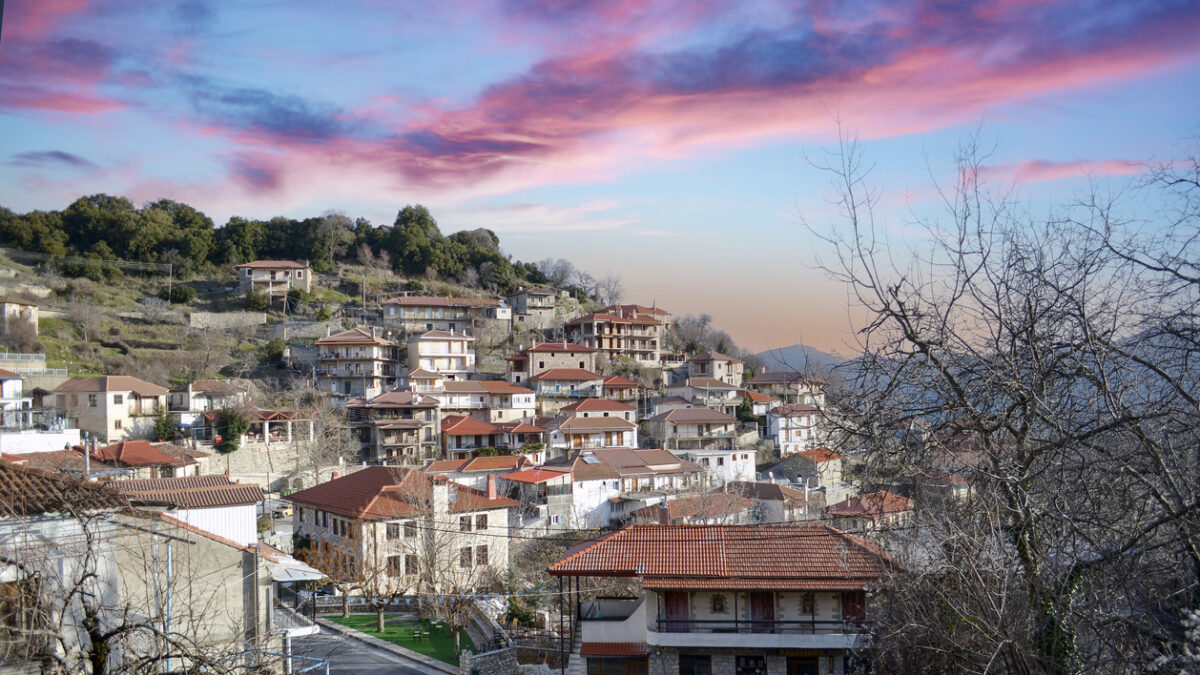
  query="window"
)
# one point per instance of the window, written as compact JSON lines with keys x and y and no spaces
{"x":464,"y":524}
{"x":541,"y":364}
{"x":116,"y":424}
{"x":393,"y":531}
{"x":324,"y":519}
{"x":118,"y":399}
{"x":410,"y":530}
{"x":92,"y":400}
{"x":481,"y":521}
{"x":807,"y":603}
{"x":464,"y":556}
{"x":410,"y":564}
{"x":249,"y":273}
{"x":299,"y":273}
{"x":395,"y":565}
{"x":481,"y":557}
{"x":695,"y":664}
{"x":718,"y":603}
{"x":750,"y":665}
{"x":555,"y":519}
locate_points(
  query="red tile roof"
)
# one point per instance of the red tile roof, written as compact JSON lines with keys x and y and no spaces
{"x":792,"y":409}
{"x":442,"y":335}
{"x":272,"y":264}
{"x":596,"y":404}
{"x":9,"y":375}
{"x":25,"y":492}
{"x":534,"y":475}
{"x":108,"y":383}
{"x":457,"y":425}
{"x":568,"y":347}
{"x":395,"y":399}
{"x":386,"y":493}
{"x":215,"y":496}
{"x":494,"y":463}
{"x":756,"y":397}
{"x":618,"y":382}
{"x":354,"y":336}
{"x":760,"y":554}
{"x":819,"y":455}
{"x":439,"y":301}
{"x":712,"y":355}
{"x":134,"y":454}
{"x":710,"y":505}
{"x":870,"y":505}
{"x":484,"y":387}
{"x":586,"y":424}
{"x":694,"y":416}
{"x":567,"y":374}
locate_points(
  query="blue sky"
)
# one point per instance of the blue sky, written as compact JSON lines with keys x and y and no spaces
{"x":662,"y":142}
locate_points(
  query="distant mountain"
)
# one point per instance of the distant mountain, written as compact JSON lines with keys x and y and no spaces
{"x":800,"y":358}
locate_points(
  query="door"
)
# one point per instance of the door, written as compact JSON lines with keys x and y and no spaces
{"x":762,"y":612}
{"x":677,"y":611}
{"x":806,"y":665}
{"x":854,"y":607}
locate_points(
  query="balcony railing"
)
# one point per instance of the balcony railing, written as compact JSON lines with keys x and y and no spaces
{"x":769,"y":626}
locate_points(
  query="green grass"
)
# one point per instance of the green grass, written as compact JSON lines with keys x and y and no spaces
{"x":440,"y":644}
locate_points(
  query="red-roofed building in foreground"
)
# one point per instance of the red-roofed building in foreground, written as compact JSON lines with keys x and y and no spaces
{"x":723,"y":598}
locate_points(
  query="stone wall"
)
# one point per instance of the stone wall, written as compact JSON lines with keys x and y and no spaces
{"x":499,"y":662}
{"x":222,"y":320}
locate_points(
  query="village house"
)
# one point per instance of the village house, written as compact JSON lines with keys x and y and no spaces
{"x":795,"y":427}
{"x":780,"y":503}
{"x":396,"y":427}
{"x":534,"y":308}
{"x":412,"y":528}
{"x":463,"y":437}
{"x":716,"y":365}
{"x":559,"y":386}
{"x":760,"y":404}
{"x":448,"y":353}
{"x":186,"y":402}
{"x":617,"y":388}
{"x":707,"y":392}
{"x":487,"y":400}
{"x":710,"y":508}
{"x":629,"y":331}
{"x":544,"y":495}
{"x":60,"y":532}
{"x":699,"y":428}
{"x":546,"y":356}
{"x":422,"y":313}
{"x":723,"y":465}
{"x":577,"y":432}
{"x":274,"y":278}
{"x":600,"y":407}
{"x":113,"y":407}
{"x":787,"y":599}
{"x":789,"y":387}
{"x":18,"y":312}
{"x":211,"y":503}
{"x":142,"y":459}
{"x":356,"y":363}
{"x":473,"y":472}
{"x":16,"y":409}
{"x":871,"y":512}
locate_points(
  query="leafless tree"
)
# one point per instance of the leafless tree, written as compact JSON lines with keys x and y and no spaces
{"x":85,"y":315}
{"x":557,"y":270}
{"x":331,"y":443}
{"x":610,"y":289}
{"x":1053,"y":362}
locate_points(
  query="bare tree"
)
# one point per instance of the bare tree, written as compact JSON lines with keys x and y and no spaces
{"x":610,"y":289}
{"x":85,"y":315}
{"x":557,"y":271}
{"x":1053,"y":363}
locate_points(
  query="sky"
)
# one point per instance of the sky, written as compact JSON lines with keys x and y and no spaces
{"x":668,"y":143}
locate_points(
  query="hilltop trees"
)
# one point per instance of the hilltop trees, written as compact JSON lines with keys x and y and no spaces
{"x":1053,"y":361}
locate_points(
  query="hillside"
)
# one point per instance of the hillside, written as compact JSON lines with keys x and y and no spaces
{"x":800,"y":358}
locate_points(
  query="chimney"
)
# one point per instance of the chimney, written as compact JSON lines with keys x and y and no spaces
{"x":491,"y":486}
{"x":440,"y":495}
{"x":664,"y":513}
{"x":335,"y":475}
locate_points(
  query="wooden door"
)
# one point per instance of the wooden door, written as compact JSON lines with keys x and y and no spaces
{"x":807,"y":665}
{"x":854,"y":607}
{"x":762,"y":612}
{"x":676,"y":603}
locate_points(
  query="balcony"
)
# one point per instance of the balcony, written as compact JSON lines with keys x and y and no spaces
{"x":613,"y":620}
{"x":758,"y":634}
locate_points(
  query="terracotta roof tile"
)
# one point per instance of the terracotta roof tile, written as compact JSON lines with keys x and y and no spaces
{"x":9,"y":375}
{"x":795,"y":409}
{"x":534,"y":475}
{"x":753,"y":552}
{"x":568,"y":347}
{"x":712,"y":355}
{"x":567,"y":374}
{"x":818,"y":455}
{"x":597,"y":404}
{"x":439,"y":301}
{"x":272,"y":264}
{"x":25,"y":492}
{"x":613,"y":649}
{"x":870,"y":505}
{"x":385,"y":493}
{"x":135,"y":454}
{"x":693,"y":416}
{"x":197,"y":497}
{"x":484,"y":387}
{"x":618,"y":382}
{"x":354,"y":336}
{"x":706,"y":506}
{"x":108,"y":383}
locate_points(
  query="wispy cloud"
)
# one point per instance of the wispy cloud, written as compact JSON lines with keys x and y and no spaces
{"x":51,"y":158}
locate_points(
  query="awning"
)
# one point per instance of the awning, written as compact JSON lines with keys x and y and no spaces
{"x":290,"y":569}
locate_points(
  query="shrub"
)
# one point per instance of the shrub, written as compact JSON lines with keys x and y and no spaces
{"x":257,"y":301}
{"x":178,"y":295}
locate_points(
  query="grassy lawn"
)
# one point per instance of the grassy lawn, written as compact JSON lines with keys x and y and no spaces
{"x":439,"y":644}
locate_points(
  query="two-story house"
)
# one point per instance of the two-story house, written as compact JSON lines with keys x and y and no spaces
{"x":545,"y":356}
{"x":419,"y":532}
{"x":795,"y":427}
{"x":600,"y":407}
{"x":185,"y":403}
{"x":871,"y":511}
{"x":463,"y":437}
{"x":708,"y":508}
{"x":699,"y":428}
{"x":760,"y":599}
{"x":356,"y":363}
{"x":274,"y":277}
{"x":790,"y":387}
{"x":716,"y":365}
{"x":623,"y":389}
{"x":474,"y":472}
{"x":212,"y":503}
{"x":534,"y":308}
{"x":578,"y":432}
{"x":629,"y":331}
{"x":16,"y":409}
{"x":450,"y":353}
{"x":396,"y":427}
{"x":421,"y":313}
{"x":142,"y":459}
{"x":723,"y":465}
{"x":708,"y":392}
{"x":113,"y":407}
{"x":487,"y":400}
{"x":559,"y":386}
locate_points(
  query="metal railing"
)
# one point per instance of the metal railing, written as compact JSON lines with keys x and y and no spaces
{"x":810,"y":627}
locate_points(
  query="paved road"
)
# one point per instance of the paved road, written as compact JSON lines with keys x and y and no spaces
{"x":351,"y":656}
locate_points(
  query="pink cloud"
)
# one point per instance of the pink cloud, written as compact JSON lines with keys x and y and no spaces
{"x":1040,"y":170}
